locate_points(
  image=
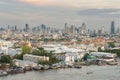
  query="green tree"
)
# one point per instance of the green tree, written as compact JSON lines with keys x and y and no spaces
{"x":5,"y":59}
{"x":99,"y":49}
{"x":42,"y":52}
{"x":85,"y":57}
{"x":111,"y":44}
{"x":26,"y":49}
{"x":19,"y":56}
{"x":116,"y":51}
{"x":40,"y":48}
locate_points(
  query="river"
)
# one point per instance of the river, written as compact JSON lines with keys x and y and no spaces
{"x":85,"y":73}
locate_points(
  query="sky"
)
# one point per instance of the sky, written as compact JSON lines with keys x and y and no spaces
{"x":54,"y":13}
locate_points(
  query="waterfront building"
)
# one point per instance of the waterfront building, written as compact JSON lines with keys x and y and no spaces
{"x":108,"y":57}
{"x":23,"y":63}
{"x":65,"y":53}
{"x":34,"y":58}
{"x":71,"y":55}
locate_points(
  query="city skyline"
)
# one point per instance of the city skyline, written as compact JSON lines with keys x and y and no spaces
{"x":53,"y":13}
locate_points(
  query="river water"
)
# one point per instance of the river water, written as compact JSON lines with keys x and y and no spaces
{"x":85,"y":73}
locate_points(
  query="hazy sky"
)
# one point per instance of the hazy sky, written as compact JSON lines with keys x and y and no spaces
{"x":54,"y":13}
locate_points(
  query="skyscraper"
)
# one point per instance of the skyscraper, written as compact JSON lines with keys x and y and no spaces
{"x":83,"y":28}
{"x":72,"y":29}
{"x":103,"y":30}
{"x":118,"y":31}
{"x":66,"y":28}
{"x":112,"y":27}
{"x":26,"y":27}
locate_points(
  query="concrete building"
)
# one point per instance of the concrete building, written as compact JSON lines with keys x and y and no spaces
{"x":34,"y":58}
{"x":4,"y":46}
{"x":22,"y":63}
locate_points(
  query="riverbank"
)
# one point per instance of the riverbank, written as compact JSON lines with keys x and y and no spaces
{"x":19,"y":70}
{"x":77,"y":65}
{"x":96,"y":73}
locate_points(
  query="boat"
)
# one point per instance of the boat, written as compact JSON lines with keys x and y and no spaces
{"x":89,"y":72}
{"x":78,"y":66}
{"x":112,"y":63}
{"x":45,"y":67}
{"x":17,"y":70}
{"x":28,"y":68}
{"x":3,"y":73}
{"x":37,"y":68}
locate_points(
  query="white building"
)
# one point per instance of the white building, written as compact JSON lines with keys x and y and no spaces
{"x":34,"y":58}
{"x":22,"y":63}
{"x":55,"y":48}
{"x":4,"y":46}
{"x":105,"y":56}
{"x":64,"y":53}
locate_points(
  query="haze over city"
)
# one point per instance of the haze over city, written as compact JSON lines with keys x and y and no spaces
{"x":54,"y":13}
{"x":60,"y":39}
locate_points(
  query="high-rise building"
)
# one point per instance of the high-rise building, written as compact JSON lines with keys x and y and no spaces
{"x":112,"y":27}
{"x":15,"y":28}
{"x":118,"y":31}
{"x":66,"y":28}
{"x":43,"y":28}
{"x":26,"y":27}
{"x":72,"y":30}
{"x":83,"y":29}
{"x":103,"y":30}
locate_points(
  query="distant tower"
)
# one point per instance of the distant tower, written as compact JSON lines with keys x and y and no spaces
{"x":15,"y":28}
{"x":83,"y":28}
{"x":72,"y":29}
{"x":43,"y":28}
{"x":66,"y":28}
{"x":8,"y":27}
{"x":112,"y":27}
{"x":26,"y":27}
{"x":103,"y":30}
{"x":118,"y":31}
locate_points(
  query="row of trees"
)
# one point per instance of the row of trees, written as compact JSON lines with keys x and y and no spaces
{"x":42,"y":52}
{"x":25,"y":50}
{"x":114,"y":51}
{"x":28,"y":50}
{"x":37,"y":52}
{"x":4,"y":60}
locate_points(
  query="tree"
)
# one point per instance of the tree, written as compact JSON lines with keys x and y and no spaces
{"x":116,"y":51}
{"x":111,"y":44}
{"x":5,"y":59}
{"x":99,"y":49}
{"x":19,"y":56}
{"x":85,"y":57}
{"x":42,"y":52}
{"x":26,"y":49}
{"x":40,"y":48}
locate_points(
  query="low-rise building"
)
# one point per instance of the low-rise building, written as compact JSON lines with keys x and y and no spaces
{"x":33,"y":58}
{"x":108,"y":57}
{"x":23,"y":63}
{"x":5,"y":45}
